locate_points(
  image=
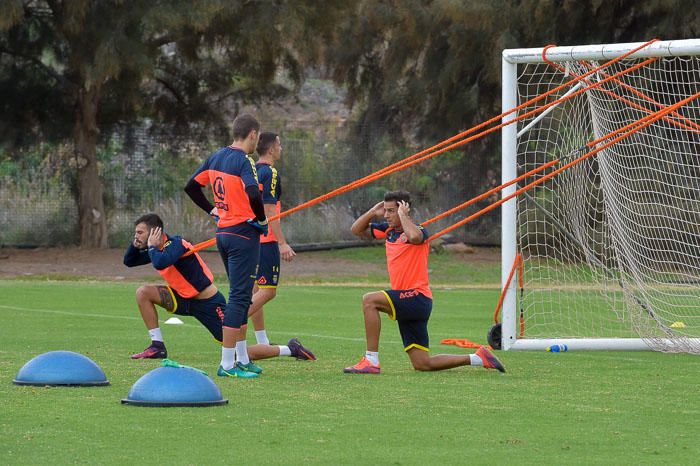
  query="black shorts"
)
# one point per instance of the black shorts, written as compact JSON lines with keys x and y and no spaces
{"x":411,"y":310}
{"x":209,"y":312}
{"x":269,"y":266}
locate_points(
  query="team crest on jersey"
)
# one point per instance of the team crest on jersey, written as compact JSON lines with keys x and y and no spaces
{"x":219,"y":189}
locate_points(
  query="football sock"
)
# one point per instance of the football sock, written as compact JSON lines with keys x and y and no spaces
{"x":155,"y":334}
{"x":227,"y":357}
{"x":373,"y":357}
{"x":475,"y":360}
{"x":242,"y":352}
{"x":285,"y":351}
{"x":261,"y":337}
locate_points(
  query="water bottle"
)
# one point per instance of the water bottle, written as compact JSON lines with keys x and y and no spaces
{"x":558,"y":348}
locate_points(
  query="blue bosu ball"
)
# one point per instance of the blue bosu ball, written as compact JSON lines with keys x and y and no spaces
{"x":61,"y":368}
{"x":173,"y":387}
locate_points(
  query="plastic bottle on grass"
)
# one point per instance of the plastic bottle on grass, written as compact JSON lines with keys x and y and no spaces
{"x":558,"y":348}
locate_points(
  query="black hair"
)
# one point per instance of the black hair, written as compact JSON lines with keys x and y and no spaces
{"x":151,"y":221}
{"x":243,"y":125}
{"x":397,"y":196}
{"x":266,"y":141}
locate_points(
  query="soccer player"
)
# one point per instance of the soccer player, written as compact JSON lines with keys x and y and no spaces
{"x":190,"y":290}
{"x":273,"y":246}
{"x":241,"y":221}
{"x":409,"y":301}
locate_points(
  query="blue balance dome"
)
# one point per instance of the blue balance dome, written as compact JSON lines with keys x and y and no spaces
{"x":61,"y":368}
{"x":171,"y":386}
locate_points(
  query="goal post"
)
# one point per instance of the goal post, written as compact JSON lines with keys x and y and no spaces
{"x":611,"y":246}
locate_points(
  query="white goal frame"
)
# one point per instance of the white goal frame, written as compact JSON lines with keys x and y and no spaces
{"x":510,"y":60}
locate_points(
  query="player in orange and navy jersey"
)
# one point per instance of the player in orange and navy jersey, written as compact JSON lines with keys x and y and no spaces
{"x":272,"y":248}
{"x":241,"y":222}
{"x":409,"y":301}
{"x":190,"y":290}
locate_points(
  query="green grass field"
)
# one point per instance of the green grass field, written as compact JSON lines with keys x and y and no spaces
{"x":593,"y":408}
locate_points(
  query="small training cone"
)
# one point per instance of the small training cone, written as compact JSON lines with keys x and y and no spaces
{"x":61,"y":368}
{"x":173,"y":385}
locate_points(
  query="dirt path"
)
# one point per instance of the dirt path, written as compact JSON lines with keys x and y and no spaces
{"x":106,"y":264}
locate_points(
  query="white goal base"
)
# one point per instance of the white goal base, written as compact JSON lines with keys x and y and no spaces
{"x":588,"y":344}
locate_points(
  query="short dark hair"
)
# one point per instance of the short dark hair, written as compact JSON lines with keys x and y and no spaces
{"x":266,"y":141}
{"x":151,"y":220}
{"x":243,"y":125}
{"x":397,"y":196}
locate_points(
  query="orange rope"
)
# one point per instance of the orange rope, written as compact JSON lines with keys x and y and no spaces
{"x":426,"y":153}
{"x":624,"y":99}
{"x":650,"y":119}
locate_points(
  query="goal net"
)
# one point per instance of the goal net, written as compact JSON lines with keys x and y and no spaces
{"x":611,"y":246}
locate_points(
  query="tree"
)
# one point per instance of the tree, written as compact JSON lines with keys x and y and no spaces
{"x":70,"y":67}
{"x":424,"y":70}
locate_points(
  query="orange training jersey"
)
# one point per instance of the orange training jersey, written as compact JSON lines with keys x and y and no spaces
{"x":229,"y":171}
{"x":407,"y":263}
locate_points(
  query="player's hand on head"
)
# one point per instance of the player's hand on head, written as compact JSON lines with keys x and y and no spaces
{"x":286,"y":252}
{"x":404,"y":209}
{"x":155,"y":237}
{"x":379,"y":209}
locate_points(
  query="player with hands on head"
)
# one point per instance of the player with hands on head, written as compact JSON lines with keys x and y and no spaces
{"x":409,"y":301}
{"x":190,"y":290}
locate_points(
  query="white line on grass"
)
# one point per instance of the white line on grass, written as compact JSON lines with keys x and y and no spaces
{"x":67,"y":313}
{"x":107,"y":316}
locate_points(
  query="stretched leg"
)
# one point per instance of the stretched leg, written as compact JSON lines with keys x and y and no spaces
{"x":256,"y":352}
{"x":422,"y":361}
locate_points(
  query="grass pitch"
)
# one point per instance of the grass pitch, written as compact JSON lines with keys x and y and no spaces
{"x":593,"y":408}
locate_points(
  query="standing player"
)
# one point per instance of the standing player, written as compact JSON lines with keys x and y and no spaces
{"x":231,"y":174}
{"x":409,"y":301}
{"x":190,"y":290}
{"x":272,"y":246}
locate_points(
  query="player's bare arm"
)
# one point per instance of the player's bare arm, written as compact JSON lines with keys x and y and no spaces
{"x":413,"y":234}
{"x":286,"y":251}
{"x":361,"y":226}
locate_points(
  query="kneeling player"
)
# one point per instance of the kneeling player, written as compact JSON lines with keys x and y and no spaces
{"x":409,"y":301}
{"x":190,"y":290}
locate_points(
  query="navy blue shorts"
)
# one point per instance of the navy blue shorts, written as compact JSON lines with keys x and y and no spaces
{"x":411,"y":310}
{"x":209,"y":312}
{"x":269,"y":265}
{"x":239,"y":248}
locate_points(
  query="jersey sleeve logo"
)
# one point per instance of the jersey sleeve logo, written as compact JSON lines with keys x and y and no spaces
{"x":252,"y":166}
{"x":273,"y":183}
